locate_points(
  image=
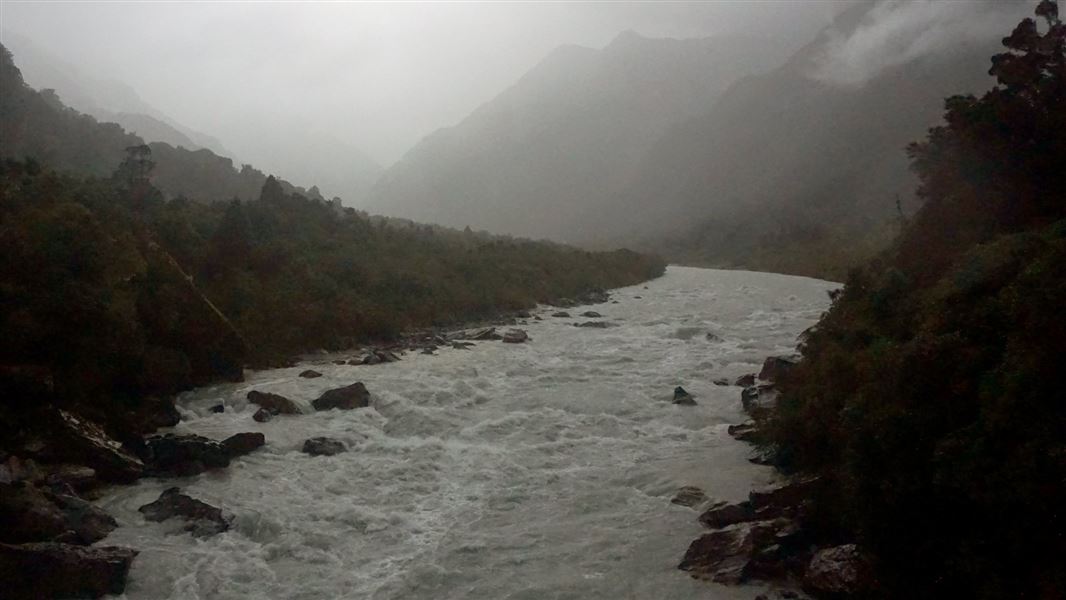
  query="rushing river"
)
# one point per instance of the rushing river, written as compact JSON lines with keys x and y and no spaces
{"x":533,"y":471}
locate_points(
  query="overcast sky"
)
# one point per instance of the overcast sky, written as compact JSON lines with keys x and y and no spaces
{"x":378,"y":76}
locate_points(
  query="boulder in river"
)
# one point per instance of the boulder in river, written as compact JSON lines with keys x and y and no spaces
{"x":690,"y":496}
{"x":725,"y":515}
{"x":345,"y":398}
{"x":184,"y":455}
{"x":218,"y":408}
{"x":310,"y":374}
{"x":277,"y":404}
{"x":721,"y":382}
{"x":594,"y":324}
{"x":515,"y":336}
{"x":323,"y":446}
{"x":262,"y":415}
{"x":240,"y":444}
{"x":462,"y":345}
{"x":591,"y":314}
{"x":747,"y":431}
{"x":839,"y":571}
{"x":201,"y":519}
{"x":484,"y":333}
{"x":57,"y":570}
{"x":562,"y":314}
{"x":683,"y":398}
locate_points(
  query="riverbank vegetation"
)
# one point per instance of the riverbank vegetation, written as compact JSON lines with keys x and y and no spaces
{"x":930,"y":393}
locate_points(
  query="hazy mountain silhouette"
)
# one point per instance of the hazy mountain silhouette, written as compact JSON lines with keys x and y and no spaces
{"x":547,"y":156}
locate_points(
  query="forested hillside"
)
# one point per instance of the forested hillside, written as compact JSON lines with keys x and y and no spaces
{"x":795,"y":171}
{"x":928,"y":397}
{"x":38,"y":125}
{"x":113,"y":292}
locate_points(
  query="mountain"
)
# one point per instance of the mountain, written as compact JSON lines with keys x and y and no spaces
{"x":803,"y":170}
{"x":106,"y":100}
{"x":39,"y":125}
{"x":547,"y":156}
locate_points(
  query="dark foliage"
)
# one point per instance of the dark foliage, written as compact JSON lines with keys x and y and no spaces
{"x":931,"y":392}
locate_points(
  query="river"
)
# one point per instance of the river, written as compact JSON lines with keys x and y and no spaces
{"x":541,"y":470}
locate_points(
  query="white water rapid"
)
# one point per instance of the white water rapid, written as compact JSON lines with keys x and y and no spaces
{"x":532,"y":471}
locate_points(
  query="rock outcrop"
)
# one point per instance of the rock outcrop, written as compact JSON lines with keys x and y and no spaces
{"x":184,"y":455}
{"x":58,"y":570}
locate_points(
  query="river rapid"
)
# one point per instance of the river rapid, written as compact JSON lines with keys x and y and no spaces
{"x":541,"y":470}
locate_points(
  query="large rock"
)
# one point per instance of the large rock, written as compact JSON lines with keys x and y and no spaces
{"x":745,"y":380}
{"x":32,"y":514}
{"x":683,"y":398}
{"x":775,"y":368}
{"x":725,"y":515}
{"x":78,"y":439}
{"x":56,"y":570}
{"x":276,"y":404}
{"x":720,"y":555}
{"x":561,"y":314}
{"x":591,"y":314}
{"x":745,"y":432}
{"x":515,"y":336}
{"x":484,"y":333}
{"x":184,"y":455}
{"x":262,"y":415}
{"x":201,"y":519}
{"x":345,"y":398}
{"x":839,"y":571}
{"x":27,"y":514}
{"x":594,"y":324}
{"x":323,"y":446}
{"x":242,"y":443}
{"x":154,"y":412}
{"x":690,"y":496}
{"x":310,"y":374}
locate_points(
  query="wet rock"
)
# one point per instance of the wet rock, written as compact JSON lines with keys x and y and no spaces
{"x":690,"y":496}
{"x":201,"y":519}
{"x":75,"y":477}
{"x":262,"y":415}
{"x":310,"y":374}
{"x":184,"y":455}
{"x":242,"y":443}
{"x":386,"y":357}
{"x":56,"y":570}
{"x":594,"y":324}
{"x":218,"y":408}
{"x":745,"y":380}
{"x":28,"y":515}
{"x":154,"y":412}
{"x":720,"y":555}
{"x":484,"y":333}
{"x":839,"y":571}
{"x":756,"y":399}
{"x":725,"y":515}
{"x":721,"y":382}
{"x":515,"y":336}
{"x":683,"y":398}
{"x":711,"y":337}
{"x":591,"y":314}
{"x":776,"y":367}
{"x":345,"y":398}
{"x":340,"y":362}
{"x":745,"y":432}
{"x":277,"y":404}
{"x":788,"y":498}
{"x":462,"y":345}
{"x":595,"y":297}
{"x":32,"y":514}
{"x":562,"y":314}
{"x":85,"y":442}
{"x":323,"y":446}
{"x":85,"y":522}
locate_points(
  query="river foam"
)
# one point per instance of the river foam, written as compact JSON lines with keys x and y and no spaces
{"x":523,"y":471}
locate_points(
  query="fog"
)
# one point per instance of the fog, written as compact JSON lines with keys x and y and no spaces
{"x":375,"y":77}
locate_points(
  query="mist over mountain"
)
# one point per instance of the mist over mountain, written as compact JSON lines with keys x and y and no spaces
{"x":803,"y":169}
{"x":318,"y":158}
{"x":546,"y":157}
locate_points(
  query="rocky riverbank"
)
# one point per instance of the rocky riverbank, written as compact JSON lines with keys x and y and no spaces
{"x":770,"y":536}
{"x":62,"y":458}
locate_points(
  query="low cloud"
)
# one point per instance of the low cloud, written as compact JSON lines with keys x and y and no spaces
{"x":895,"y":32}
